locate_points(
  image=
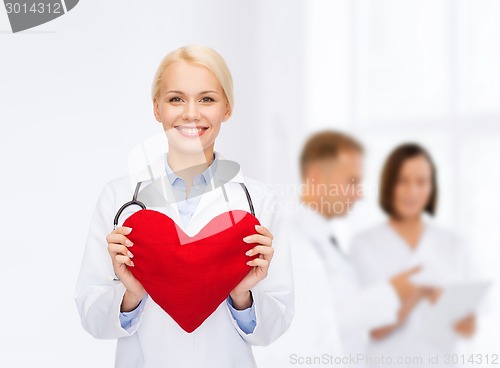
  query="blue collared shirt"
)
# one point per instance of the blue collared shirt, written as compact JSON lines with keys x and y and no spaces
{"x":245,"y":318}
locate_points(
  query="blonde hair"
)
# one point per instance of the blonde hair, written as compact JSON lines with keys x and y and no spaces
{"x":202,"y":56}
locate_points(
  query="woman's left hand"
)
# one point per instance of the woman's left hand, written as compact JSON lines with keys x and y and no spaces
{"x":241,"y":295}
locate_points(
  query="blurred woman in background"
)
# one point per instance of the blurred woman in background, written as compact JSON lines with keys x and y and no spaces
{"x":409,"y":238}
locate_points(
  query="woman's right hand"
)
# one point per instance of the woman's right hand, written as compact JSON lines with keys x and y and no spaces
{"x":409,"y":295}
{"x":121,"y":256}
{"x":404,"y":286}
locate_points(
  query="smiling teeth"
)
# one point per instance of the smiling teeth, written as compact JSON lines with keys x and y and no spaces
{"x":191,"y":130}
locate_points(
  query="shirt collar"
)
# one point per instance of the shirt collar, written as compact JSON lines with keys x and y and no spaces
{"x":317,"y":226}
{"x":313,"y":221}
{"x":204,"y":176}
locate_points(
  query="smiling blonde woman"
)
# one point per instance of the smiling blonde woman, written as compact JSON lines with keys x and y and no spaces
{"x":192,"y":96}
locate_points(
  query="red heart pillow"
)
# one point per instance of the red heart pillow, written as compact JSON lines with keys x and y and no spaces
{"x":189,"y":277}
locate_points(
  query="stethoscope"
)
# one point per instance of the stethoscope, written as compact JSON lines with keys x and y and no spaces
{"x":136,"y":202}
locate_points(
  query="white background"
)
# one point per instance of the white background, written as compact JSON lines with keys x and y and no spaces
{"x":74,"y":100}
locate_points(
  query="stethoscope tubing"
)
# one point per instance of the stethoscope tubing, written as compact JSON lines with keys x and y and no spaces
{"x":135,"y":202}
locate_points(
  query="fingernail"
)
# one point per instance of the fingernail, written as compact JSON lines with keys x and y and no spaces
{"x":132,"y":264}
{"x":246,"y":239}
{"x":249,"y":263}
{"x":127,"y":229}
{"x":257,"y":227}
{"x":128,"y":243}
{"x":249,"y":252}
{"x":130,"y":255}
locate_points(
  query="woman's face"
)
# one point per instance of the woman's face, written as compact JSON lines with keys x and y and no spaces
{"x":191,"y":106}
{"x":413,"y":188}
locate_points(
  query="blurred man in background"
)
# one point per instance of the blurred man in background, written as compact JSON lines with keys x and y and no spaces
{"x":334,"y":315}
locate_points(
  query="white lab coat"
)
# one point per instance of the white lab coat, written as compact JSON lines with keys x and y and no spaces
{"x":381,"y":253}
{"x":155,"y":340}
{"x":333,"y":315}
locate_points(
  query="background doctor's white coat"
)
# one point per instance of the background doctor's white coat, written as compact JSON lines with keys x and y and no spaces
{"x":74,"y":100}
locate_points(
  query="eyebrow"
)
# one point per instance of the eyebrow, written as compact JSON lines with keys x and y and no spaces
{"x":201,"y":93}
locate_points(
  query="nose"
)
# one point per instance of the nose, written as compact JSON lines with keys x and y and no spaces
{"x":191,"y":112}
